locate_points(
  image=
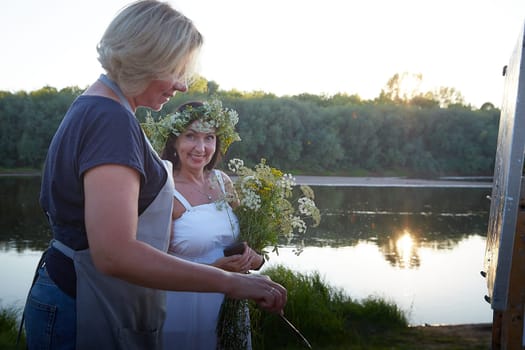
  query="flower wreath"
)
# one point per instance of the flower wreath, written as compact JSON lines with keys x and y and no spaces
{"x":211,"y":115}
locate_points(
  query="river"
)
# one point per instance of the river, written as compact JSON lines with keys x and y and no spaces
{"x":419,"y":244}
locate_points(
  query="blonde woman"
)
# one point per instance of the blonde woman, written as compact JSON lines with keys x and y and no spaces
{"x":109,"y":197}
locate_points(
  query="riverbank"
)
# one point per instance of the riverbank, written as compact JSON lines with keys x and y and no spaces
{"x":465,"y":336}
{"x":369,"y":181}
{"x":458,"y":337}
{"x":391,"y":182}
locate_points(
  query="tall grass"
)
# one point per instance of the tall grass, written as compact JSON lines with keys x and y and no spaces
{"x":326,"y":316}
{"x":9,"y":322}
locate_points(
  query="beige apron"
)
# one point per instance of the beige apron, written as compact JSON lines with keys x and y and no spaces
{"x":112,"y":313}
{"x":115,"y":314}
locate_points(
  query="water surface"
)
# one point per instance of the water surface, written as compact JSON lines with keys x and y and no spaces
{"x":420,"y":247}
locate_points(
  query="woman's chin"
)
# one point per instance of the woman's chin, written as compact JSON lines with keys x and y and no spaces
{"x":157,"y":107}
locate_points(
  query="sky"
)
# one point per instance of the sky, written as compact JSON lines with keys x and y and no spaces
{"x":285,"y":47}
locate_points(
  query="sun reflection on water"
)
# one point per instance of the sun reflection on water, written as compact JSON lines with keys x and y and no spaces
{"x":402,"y":250}
{"x":404,"y":247}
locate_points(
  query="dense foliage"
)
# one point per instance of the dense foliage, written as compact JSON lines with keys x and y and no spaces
{"x":311,"y":134}
{"x":325,"y":315}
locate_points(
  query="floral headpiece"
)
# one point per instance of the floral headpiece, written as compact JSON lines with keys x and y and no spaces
{"x":210,"y":115}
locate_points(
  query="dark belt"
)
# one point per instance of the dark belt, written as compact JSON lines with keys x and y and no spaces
{"x":59,"y":266}
{"x":61,"y":270}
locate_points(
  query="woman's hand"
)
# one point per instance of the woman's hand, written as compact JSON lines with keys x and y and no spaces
{"x":267,"y":294}
{"x":234,"y":263}
{"x":256,"y":260}
{"x":249,"y":260}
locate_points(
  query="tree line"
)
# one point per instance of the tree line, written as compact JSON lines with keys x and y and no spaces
{"x":412,"y":135}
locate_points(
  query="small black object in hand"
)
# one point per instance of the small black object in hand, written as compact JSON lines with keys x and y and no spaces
{"x":235,"y":248}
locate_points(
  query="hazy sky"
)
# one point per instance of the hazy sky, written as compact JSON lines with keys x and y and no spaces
{"x":283,"y":46}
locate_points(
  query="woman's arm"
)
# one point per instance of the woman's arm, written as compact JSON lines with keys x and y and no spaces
{"x":111,"y":215}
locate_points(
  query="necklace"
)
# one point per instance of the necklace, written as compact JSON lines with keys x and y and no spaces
{"x":194,"y":186}
{"x":207,"y":195}
{"x":204,"y":194}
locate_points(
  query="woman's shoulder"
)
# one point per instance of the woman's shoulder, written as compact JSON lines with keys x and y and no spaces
{"x":97,"y":101}
{"x":104,"y":114}
{"x":228,"y":187}
{"x":225,"y":177}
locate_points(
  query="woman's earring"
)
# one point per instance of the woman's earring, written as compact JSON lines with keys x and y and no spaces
{"x":175,"y":154}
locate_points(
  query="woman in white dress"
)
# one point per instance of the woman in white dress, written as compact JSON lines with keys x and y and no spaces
{"x":203,"y":221}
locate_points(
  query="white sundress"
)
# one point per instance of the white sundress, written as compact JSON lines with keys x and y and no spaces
{"x":201,"y":234}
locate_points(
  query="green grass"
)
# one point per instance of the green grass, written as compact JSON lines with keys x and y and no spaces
{"x":9,"y":323}
{"x":326,"y":316}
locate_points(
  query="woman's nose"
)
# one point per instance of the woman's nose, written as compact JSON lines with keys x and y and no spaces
{"x":180,"y":85}
{"x":199,"y":144}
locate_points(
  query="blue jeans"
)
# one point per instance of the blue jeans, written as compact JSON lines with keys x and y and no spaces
{"x":50,"y":316}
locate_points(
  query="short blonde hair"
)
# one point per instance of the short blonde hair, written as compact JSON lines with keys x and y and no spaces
{"x":148,"y":40}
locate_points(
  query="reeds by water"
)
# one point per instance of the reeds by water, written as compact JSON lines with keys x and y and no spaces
{"x":325,"y":315}
{"x":9,"y":322}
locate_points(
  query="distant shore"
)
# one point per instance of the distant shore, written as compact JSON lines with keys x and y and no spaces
{"x":391,"y":182}
{"x":28,"y":174}
{"x":370,"y":181}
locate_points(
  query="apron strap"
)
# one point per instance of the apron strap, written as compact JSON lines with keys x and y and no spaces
{"x":64,"y":249}
{"x":116,"y":89}
{"x":124,"y":101}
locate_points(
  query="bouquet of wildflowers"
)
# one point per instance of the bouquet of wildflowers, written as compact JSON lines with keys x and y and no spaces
{"x":266,"y":212}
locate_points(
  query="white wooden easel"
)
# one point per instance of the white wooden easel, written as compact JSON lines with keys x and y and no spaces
{"x":504,"y":265}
